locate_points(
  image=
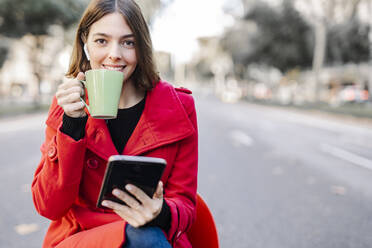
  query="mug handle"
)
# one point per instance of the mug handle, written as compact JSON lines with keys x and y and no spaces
{"x":86,"y":105}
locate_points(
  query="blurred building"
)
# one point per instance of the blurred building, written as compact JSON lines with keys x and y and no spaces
{"x":164,"y":65}
{"x":16,"y":75}
{"x":30,"y":71}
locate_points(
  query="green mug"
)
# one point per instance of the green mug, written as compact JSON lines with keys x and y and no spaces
{"x":104,"y":90}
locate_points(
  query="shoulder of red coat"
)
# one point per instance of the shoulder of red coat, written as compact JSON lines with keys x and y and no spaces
{"x":186,"y":99}
{"x":184,"y":90}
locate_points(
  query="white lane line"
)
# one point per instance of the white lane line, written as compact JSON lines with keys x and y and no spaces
{"x":348,"y":156}
{"x":26,"y":188}
{"x":240,"y":138}
{"x":24,"y":229}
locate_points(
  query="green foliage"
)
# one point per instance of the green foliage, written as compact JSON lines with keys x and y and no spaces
{"x":348,"y":42}
{"x":237,"y":42}
{"x":19,"y":17}
{"x":283,"y":37}
{"x":3,"y":54}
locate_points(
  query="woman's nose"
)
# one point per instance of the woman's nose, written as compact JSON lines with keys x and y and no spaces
{"x":114,"y":53}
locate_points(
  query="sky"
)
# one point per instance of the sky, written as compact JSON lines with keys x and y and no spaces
{"x":182,"y":22}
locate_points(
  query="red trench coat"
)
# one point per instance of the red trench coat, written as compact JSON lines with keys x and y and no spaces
{"x":68,"y":179}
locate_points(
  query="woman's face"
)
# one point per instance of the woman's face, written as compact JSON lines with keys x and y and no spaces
{"x":111,"y":45}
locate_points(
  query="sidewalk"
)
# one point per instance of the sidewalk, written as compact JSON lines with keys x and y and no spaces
{"x":344,"y":118}
{"x":10,"y":108}
{"x":350,"y":113}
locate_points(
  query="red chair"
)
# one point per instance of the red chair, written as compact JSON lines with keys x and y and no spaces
{"x":203,"y":233}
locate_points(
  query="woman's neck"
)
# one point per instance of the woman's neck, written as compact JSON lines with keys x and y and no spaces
{"x":130,"y":95}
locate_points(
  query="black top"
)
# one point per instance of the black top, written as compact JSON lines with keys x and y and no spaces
{"x":123,"y":126}
{"x":120,"y":129}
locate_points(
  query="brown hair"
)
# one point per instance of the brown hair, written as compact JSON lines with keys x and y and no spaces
{"x":145,"y":75}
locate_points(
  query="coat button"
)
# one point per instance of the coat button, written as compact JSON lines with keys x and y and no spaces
{"x":52,"y":151}
{"x":92,"y":163}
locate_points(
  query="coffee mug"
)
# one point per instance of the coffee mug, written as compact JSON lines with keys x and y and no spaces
{"x":104,"y":90}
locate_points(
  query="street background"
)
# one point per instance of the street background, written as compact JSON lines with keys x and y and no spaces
{"x":283,"y":94}
{"x":272,"y":177}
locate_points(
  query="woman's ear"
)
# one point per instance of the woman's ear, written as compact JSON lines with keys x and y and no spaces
{"x":86,"y":51}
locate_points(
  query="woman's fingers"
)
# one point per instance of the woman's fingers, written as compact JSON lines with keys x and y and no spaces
{"x":73,"y":89}
{"x":77,"y":91}
{"x":159,"y":191}
{"x":75,"y":107}
{"x":151,"y":206}
{"x":139,"y":194}
{"x":80,"y":76}
{"x":68,"y":83}
{"x":132,"y":216}
{"x":146,"y":212}
{"x":69,"y":96}
{"x":72,"y":98}
{"x":130,"y":201}
{"x":134,"y":212}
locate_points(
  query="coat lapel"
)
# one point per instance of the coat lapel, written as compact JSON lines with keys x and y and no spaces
{"x":99,"y":138}
{"x":163,"y":121}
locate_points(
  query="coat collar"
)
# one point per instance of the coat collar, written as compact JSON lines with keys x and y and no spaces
{"x":164,"y":120}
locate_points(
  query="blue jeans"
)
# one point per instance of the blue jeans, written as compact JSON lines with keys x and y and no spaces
{"x":145,"y":237}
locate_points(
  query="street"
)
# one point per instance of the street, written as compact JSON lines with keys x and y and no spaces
{"x":273,"y":177}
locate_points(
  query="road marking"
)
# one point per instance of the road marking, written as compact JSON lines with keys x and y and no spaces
{"x":348,"y":156}
{"x":24,"y":229}
{"x":338,"y":190}
{"x":26,"y":188}
{"x":240,"y":138}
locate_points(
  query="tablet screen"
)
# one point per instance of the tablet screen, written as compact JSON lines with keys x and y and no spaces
{"x":143,"y":172}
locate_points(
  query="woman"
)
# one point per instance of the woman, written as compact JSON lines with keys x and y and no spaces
{"x":154,"y":119}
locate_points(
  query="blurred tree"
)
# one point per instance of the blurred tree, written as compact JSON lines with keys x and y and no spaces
{"x":348,"y":42}
{"x":3,"y":51}
{"x":21,"y":17}
{"x":149,"y":8}
{"x":322,"y":14}
{"x":237,"y":41}
{"x":283,"y":36}
{"x":280,"y":38}
{"x":304,"y":33}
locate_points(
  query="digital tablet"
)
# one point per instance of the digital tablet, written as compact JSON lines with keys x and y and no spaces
{"x":143,"y":172}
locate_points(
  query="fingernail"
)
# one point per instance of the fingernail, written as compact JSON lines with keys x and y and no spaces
{"x":115,"y":192}
{"x":104,"y":203}
{"x":128,"y":187}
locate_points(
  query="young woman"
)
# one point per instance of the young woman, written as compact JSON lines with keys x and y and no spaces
{"x":154,"y":119}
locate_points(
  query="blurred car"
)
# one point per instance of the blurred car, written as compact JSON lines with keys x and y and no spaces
{"x":353,"y":94}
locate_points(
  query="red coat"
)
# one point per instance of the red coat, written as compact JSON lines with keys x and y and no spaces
{"x":68,"y":179}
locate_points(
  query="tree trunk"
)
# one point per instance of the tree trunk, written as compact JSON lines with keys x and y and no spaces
{"x":37,"y":68}
{"x":354,"y":8}
{"x":370,"y":50}
{"x":319,"y":55}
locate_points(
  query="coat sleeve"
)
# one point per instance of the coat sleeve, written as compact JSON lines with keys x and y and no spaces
{"x":57,"y":178}
{"x":181,"y":186}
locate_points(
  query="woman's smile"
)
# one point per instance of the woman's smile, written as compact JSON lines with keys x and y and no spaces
{"x":114,"y":67}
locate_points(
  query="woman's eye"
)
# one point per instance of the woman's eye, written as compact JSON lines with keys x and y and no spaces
{"x":128,"y":43}
{"x":100,"y":41}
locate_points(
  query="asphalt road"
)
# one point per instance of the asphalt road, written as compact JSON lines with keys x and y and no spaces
{"x":273,"y":178}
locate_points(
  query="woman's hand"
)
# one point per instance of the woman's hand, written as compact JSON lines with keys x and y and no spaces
{"x":139,"y":211}
{"x":68,"y":96}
